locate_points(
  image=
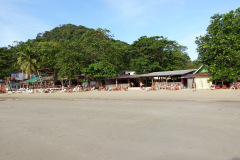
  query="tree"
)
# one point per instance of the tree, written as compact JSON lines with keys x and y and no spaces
{"x":28,"y":57}
{"x":100,"y":69}
{"x":219,"y":48}
{"x":151,"y":54}
{"x":7,"y":61}
{"x":69,"y":62}
{"x":48,"y":59}
{"x":102,"y":52}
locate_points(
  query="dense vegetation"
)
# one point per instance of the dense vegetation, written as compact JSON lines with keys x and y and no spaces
{"x":70,"y":51}
{"x":219,"y":49}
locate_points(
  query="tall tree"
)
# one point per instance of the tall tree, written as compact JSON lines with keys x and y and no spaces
{"x":69,"y":61}
{"x":102,"y":52}
{"x":28,"y":58}
{"x":219,"y":48}
{"x":7,"y":61}
{"x":156,"y":53}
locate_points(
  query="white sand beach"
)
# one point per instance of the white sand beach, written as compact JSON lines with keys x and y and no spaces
{"x":121,"y":125}
{"x":203,"y":95}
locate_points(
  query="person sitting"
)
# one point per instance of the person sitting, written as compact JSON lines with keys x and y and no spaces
{"x":75,"y":89}
{"x":132,"y":84}
{"x":212,"y":86}
{"x":46,"y":90}
{"x":237,"y":86}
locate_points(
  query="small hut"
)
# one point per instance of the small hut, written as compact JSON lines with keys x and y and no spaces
{"x":199,"y":79}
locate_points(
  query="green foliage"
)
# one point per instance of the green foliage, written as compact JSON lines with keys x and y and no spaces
{"x":196,"y":64}
{"x":151,"y":54}
{"x":28,"y":58}
{"x":219,"y":48}
{"x":100,"y":69}
{"x":104,"y":55}
{"x":48,"y":51}
{"x":69,"y":61}
{"x":70,"y":51}
{"x":64,"y":32}
{"x":7,"y":61}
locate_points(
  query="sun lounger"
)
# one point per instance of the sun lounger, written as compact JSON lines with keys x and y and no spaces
{"x":224,"y":87}
{"x":64,"y":90}
{"x":29,"y":91}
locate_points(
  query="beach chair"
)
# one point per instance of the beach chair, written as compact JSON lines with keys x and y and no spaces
{"x":29,"y":91}
{"x":64,"y":90}
{"x":176,"y":87}
{"x":218,"y":87}
{"x":75,"y":89}
{"x":232,"y":86}
{"x":46,"y":91}
{"x":153,"y":88}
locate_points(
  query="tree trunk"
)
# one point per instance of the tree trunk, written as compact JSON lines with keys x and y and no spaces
{"x":54,"y":77}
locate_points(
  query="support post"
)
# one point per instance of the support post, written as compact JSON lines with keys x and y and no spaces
{"x":152,"y":81}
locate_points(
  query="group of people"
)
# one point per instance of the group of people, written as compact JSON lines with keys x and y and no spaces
{"x":77,"y":88}
{"x":232,"y":86}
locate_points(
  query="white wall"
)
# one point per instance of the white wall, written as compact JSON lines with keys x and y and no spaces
{"x":18,"y":76}
{"x":130,"y":72}
{"x":202,"y":83}
{"x":21,"y":76}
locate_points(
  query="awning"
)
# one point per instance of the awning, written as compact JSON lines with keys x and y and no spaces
{"x":32,"y":80}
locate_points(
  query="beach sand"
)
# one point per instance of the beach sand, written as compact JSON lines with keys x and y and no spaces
{"x":121,"y":125}
{"x":203,"y":95}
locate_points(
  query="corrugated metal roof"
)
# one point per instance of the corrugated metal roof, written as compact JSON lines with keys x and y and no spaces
{"x":196,"y":75}
{"x":126,"y":76}
{"x":198,"y":69}
{"x":169,"y":73}
{"x":156,"y":74}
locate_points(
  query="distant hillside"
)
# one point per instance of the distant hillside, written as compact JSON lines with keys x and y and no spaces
{"x":71,"y":50}
{"x":63,"y":32}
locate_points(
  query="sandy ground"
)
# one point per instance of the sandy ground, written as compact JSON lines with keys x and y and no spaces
{"x":206,"y":95}
{"x":131,"y":125}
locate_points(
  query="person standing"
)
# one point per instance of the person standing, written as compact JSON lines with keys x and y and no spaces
{"x":141,"y":84}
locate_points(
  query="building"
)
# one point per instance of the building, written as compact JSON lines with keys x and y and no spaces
{"x":18,"y":79}
{"x":200,"y":79}
{"x":155,"y":79}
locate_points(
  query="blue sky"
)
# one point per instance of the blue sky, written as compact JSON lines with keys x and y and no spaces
{"x":128,"y":20}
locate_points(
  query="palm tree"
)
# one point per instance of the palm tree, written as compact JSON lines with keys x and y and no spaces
{"x":28,"y":58}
